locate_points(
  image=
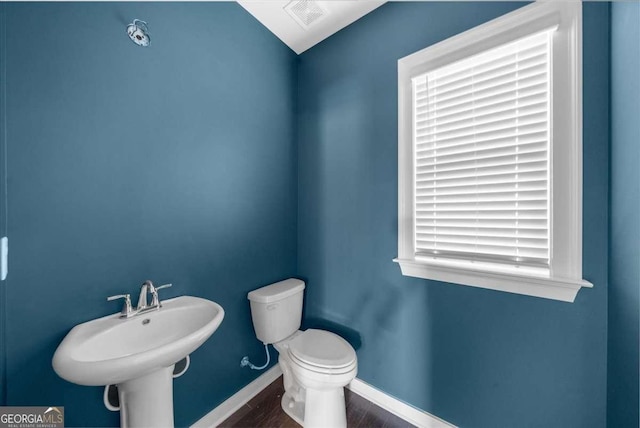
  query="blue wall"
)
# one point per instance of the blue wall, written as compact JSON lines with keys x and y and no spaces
{"x":474,"y":357}
{"x":624,"y":244}
{"x":176,"y":163}
{"x":180,"y":163}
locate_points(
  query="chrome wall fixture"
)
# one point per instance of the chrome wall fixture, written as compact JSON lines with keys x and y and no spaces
{"x":138,"y":32}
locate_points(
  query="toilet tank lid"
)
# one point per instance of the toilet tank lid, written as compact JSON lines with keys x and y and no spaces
{"x":278,"y":291}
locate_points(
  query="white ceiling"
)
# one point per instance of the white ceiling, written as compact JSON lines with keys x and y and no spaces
{"x":340,"y":13}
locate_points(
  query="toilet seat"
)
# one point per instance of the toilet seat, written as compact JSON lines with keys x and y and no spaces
{"x":322,"y":351}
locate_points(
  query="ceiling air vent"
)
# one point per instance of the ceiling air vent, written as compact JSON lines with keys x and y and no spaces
{"x":306,"y":12}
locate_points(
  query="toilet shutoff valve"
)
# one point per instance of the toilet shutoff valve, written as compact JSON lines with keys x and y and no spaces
{"x":244,"y":362}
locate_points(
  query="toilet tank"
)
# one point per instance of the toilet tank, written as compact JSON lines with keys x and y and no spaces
{"x":276,"y":309}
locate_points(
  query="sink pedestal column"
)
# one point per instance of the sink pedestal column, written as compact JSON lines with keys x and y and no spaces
{"x":147,"y":401}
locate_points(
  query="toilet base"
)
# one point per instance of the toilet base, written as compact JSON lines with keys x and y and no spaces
{"x":325,"y":408}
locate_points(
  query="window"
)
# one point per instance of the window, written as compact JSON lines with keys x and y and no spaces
{"x":490,"y":155}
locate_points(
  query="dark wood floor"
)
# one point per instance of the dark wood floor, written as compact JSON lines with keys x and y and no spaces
{"x":264,"y":410}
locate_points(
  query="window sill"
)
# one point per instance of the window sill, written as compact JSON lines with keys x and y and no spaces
{"x":562,"y":289}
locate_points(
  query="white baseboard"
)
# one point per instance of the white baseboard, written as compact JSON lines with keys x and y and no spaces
{"x":391,"y":404}
{"x":239,"y":399}
{"x":405,"y":411}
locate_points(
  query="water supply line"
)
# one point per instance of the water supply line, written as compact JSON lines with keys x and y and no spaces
{"x":245,"y":360}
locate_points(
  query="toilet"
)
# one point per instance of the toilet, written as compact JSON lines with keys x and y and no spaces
{"x":316,"y":364}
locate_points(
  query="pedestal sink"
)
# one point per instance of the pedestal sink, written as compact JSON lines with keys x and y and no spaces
{"x":138,"y":354}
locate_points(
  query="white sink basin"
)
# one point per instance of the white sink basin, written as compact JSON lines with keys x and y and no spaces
{"x":112,"y":350}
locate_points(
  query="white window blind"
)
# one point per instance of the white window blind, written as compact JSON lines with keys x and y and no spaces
{"x":481,"y":131}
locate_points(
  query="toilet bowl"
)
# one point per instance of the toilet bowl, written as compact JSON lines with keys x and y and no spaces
{"x":316,"y":364}
{"x":319,"y":364}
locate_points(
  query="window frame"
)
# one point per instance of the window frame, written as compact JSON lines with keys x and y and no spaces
{"x":564,"y":278}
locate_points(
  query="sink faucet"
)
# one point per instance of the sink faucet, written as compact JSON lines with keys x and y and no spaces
{"x":147,"y":286}
{"x":143,"y":306}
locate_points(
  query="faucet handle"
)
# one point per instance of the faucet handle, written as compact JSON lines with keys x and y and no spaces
{"x":155,"y":301}
{"x":126,"y":308}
